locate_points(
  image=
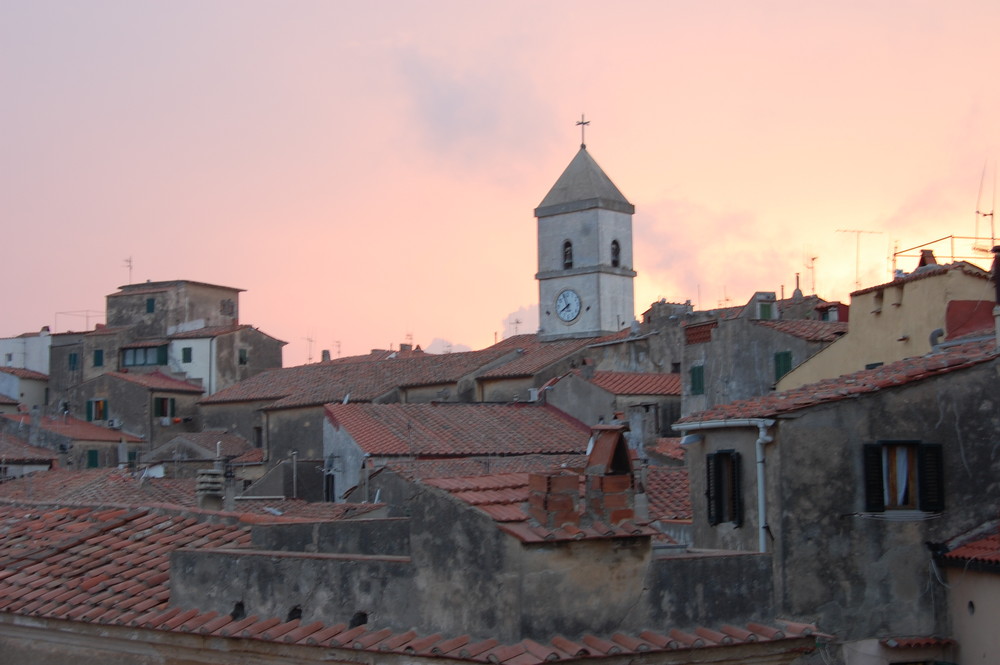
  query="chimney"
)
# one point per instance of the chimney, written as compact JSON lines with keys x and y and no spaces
{"x":210,"y":488}
{"x":552,"y":499}
{"x":405,"y":347}
{"x":326,"y":355}
{"x":610,"y":491}
{"x":927,"y":258}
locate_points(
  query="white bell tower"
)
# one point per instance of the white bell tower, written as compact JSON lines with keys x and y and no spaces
{"x":585,"y":271}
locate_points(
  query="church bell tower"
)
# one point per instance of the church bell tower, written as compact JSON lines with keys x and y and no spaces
{"x":585,"y":271}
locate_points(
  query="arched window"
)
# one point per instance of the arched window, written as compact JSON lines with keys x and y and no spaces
{"x":567,"y":254}
{"x":616,"y":253}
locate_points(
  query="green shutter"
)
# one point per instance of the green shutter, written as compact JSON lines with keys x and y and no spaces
{"x":161,"y":355}
{"x":698,"y":380}
{"x":737,"y":490}
{"x":93,"y":459}
{"x":930,"y":477}
{"x":90,"y":411}
{"x":782,"y":364}
{"x":874,"y":489}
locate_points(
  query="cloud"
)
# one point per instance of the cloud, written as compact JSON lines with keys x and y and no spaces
{"x":444,"y":346}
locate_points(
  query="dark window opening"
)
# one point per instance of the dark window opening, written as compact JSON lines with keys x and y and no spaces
{"x":150,"y":305}
{"x":359,"y":619}
{"x":93,"y":459}
{"x":238,"y":612}
{"x":873,"y":365}
{"x":294,"y":613}
{"x":698,"y":380}
{"x":567,"y":255}
{"x":74,"y":361}
{"x":616,"y":253}
{"x":722,"y":489}
{"x":675,"y":368}
{"x":98,"y":357}
{"x":244,"y":356}
{"x":164,"y":407}
{"x":782,"y":364}
{"x":186,"y":354}
{"x":903,"y":475}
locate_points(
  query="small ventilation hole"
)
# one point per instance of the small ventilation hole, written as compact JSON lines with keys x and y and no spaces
{"x":294,"y":613}
{"x":359,"y":619}
{"x":238,"y":611}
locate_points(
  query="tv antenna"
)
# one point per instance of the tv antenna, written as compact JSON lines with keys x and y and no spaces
{"x":128,"y":261}
{"x":309,"y":357}
{"x":812,"y":272}
{"x":857,"y":252}
{"x":982,"y":214}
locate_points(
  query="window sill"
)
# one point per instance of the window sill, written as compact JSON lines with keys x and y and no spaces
{"x":901,"y":515}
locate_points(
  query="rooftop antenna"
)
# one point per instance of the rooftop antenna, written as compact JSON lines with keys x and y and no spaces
{"x":337,"y":344}
{"x":981,"y":213}
{"x":128,"y":264}
{"x":582,"y":124}
{"x":812,"y":272}
{"x":309,"y":357}
{"x":857,"y":252}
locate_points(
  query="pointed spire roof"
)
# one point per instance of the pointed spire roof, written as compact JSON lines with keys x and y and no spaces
{"x":583,"y":185}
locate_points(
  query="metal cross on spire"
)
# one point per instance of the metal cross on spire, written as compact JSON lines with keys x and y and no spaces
{"x":582,"y":124}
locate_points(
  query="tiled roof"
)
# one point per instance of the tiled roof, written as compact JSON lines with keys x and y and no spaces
{"x":979,"y":549}
{"x":112,"y":567}
{"x":670,"y":446}
{"x":891,"y":375}
{"x":8,"y":401}
{"x":669,"y":493}
{"x":144,"y":343}
{"x":379,"y":354}
{"x":210,"y":331}
{"x":811,"y":331}
{"x":22,"y":373}
{"x":252,"y":456}
{"x":929,"y":271}
{"x":534,"y":356}
{"x":459,"y":429}
{"x":634,"y":383}
{"x":15,"y":450}
{"x":157,"y":287}
{"x":504,"y":496}
{"x":118,"y":487}
{"x":230,"y":445}
{"x":359,"y":380}
{"x":101,"y":329}
{"x":73,"y":428}
{"x":157,"y":381}
{"x":484,"y":466}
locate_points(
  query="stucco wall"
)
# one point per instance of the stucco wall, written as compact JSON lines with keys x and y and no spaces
{"x":856,"y":574}
{"x":974,"y":605}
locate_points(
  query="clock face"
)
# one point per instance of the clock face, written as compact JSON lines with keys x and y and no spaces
{"x":568,"y":305}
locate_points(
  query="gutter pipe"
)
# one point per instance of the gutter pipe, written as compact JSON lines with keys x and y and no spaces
{"x":762,"y":425}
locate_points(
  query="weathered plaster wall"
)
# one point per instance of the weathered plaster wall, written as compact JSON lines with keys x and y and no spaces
{"x":299,"y":429}
{"x":241,"y":418}
{"x":974,"y":605}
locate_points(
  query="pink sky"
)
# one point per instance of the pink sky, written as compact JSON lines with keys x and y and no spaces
{"x":368,"y":171}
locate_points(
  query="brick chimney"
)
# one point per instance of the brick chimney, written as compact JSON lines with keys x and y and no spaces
{"x":610,"y":490}
{"x":553,"y":499}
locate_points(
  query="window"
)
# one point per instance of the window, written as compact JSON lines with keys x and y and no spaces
{"x":722,"y":487}
{"x":98,"y":357}
{"x":765,"y":310}
{"x":74,"y":362}
{"x":164,"y":407}
{"x":567,"y":255}
{"x":244,"y":356}
{"x":97,"y":409}
{"x":616,"y":253}
{"x":186,"y":354}
{"x":698,"y":380}
{"x":782,"y":364}
{"x":153,"y":355}
{"x":9,"y":357}
{"x":93,"y":459}
{"x":150,"y":305}
{"x":903,"y":475}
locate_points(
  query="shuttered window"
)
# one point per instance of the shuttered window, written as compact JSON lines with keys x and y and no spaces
{"x":722,"y":488}
{"x":782,"y":364}
{"x":698,"y":380}
{"x":903,"y":475}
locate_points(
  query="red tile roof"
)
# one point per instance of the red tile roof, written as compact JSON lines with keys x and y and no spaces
{"x":459,"y":429}
{"x":635,"y":383}
{"x":230,"y":445}
{"x":929,"y":271}
{"x":486,"y":465}
{"x":15,"y":450}
{"x":979,"y":550}
{"x":22,"y":373}
{"x":669,"y":493}
{"x":916,"y":642}
{"x":157,"y":381}
{"x":670,"y":446}
{"x":360,"y":380}
{"x":210,"y":331}
{"x":534,"y":356}
{"x":8,"y":401}
{"x":73,"y":428}
{"x":112,"y":567}
{"x":891,"y":375}
{"x":504,"y":498}
{"x":811,"y":331}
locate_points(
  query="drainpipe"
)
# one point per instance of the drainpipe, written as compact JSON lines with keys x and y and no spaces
{"x":762,"y":425}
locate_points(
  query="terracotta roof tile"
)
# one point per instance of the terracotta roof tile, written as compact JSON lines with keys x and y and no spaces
{"x":669,"y":493}
{"x":15,"y":450}
{"x":210,"y":331}
{"x":73,"y":428}
{"x":157,"y":381}
{"x":633,"y":383}
{"x":22,"y":373}
{"x":894,"y":374}
{"x":459,"y":429}
{"x":916,"y":642}
{"x":811,"y":331}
